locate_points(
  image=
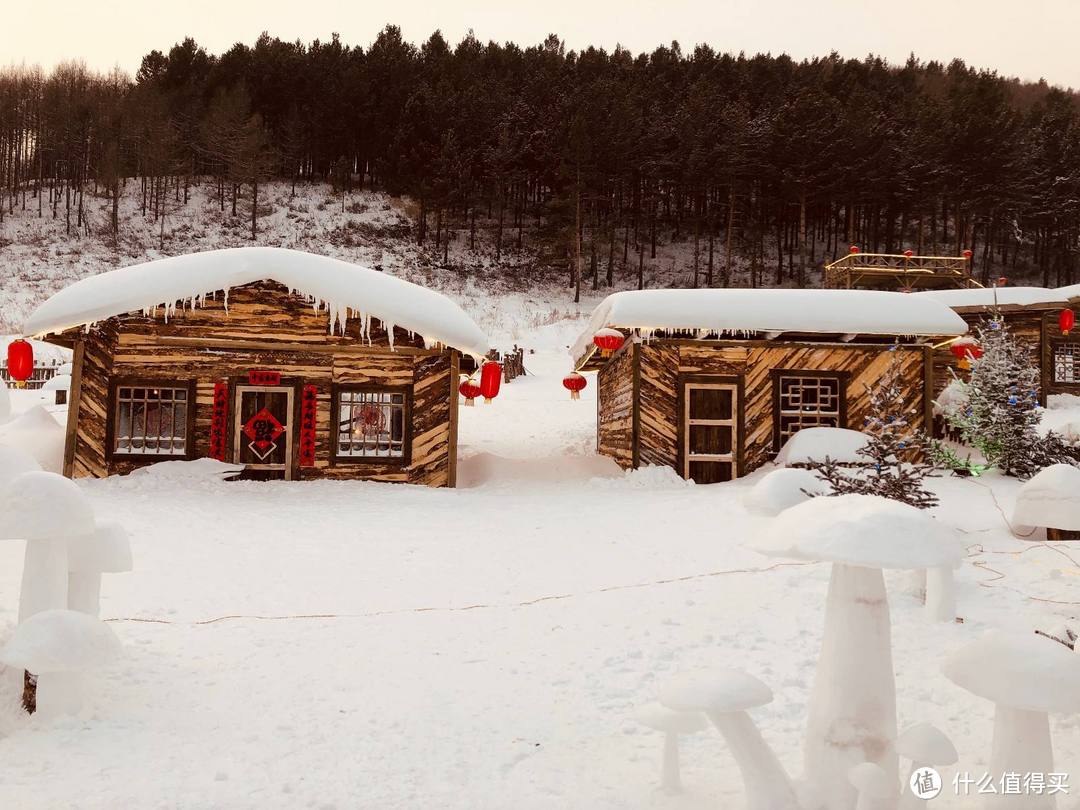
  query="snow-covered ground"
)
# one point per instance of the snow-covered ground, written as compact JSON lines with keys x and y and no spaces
{"x":348,"y":644}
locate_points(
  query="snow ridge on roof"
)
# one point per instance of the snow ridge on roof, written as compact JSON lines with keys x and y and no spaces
{"x":742,"y":311}
{"x":1006,"y":296}
{"x":337,"y":285}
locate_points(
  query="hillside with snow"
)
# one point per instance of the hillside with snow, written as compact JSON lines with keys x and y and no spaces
{"x":508,"y":296}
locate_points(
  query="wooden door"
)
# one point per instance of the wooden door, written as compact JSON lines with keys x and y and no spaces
{"x":710,"y":432}
{"x":263,"y":432}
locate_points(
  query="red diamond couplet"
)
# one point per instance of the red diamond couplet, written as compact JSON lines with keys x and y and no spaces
{"x":263,"y":429}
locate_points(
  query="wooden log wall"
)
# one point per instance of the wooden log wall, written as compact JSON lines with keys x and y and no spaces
{"x":266,"y":327}
{"x":1052,"y":334}
{"x":616,"y":406}
{"x":663,"y":366}
{"x":1036,"y":328}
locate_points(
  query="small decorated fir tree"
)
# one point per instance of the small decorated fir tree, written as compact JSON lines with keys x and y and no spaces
{"x":1001,"y":416}
{"x":891,"y":438}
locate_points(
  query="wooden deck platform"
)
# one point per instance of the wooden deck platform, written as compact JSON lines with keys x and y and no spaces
{"x":897,"y":271}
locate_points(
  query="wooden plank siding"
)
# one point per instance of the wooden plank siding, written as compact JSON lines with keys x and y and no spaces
{"x":662,"y":366}
{"x":1034,"y":327}
{"x":266,"y":327}
{"x":615,"y":406}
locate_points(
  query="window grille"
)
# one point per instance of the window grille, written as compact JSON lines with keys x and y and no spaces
{"x":371,"y":424}
{"x":151,"y":421}
{"x":807,"y":402}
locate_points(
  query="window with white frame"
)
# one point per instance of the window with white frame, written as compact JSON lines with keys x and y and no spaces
{"x":1067,"y":362}
{"x":807,"y":401}
{"x":151,"y":420}
{"x":371,"y":424}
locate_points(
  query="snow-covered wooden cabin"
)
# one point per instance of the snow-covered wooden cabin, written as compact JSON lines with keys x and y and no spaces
{"x":1033,"y":316}
{"x":295,"y":365}
{"x":713,"y":382}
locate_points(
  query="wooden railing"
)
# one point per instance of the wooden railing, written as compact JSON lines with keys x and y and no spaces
{"x":37,"y":379}
{"x":896,"y":271}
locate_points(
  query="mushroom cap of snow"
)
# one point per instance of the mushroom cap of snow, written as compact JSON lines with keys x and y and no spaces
{"x":61,"y":641}
{"x":1020,"y":670}
{"x":106,"y":551}
{"x":722,"y":690}
{"x":57,"y":383}
{"x":1050,"y":499}
{"x":871,"y":780}
{"x":924,"y":744}
{"x":40,"y":505}
{"x":661,"y":718}
{"x":861,"y":530}
{"x":781,"y":489}
{"x":14,"y":462}
{"x":814,"y":444}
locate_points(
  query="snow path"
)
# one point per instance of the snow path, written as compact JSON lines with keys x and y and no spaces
{"x":483,"y":647}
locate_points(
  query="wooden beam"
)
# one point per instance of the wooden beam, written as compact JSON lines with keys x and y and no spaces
{"x":74,"y":398}
{"x":128,"y":339}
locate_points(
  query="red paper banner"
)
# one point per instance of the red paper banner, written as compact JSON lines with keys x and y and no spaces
{"x":219,"y":421}
{"x":264,"y":377}
{"x":309,"y":400}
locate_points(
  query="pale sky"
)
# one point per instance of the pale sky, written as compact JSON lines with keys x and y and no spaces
{"x":1031,"y":39}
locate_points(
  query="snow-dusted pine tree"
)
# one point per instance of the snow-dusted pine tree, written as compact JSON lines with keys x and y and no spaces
{"x":1001,"y":417}
{"x":891,"y":438}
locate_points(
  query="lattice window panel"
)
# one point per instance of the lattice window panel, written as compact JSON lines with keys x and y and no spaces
{"x":1067,"y":363}
{"x":151,"y":421}
{"x":808,"y":402}
{"x":371,"y":424}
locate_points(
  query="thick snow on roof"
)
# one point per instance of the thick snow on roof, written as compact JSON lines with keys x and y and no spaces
{"x":741,"y":311}
{"x":1006,"y":296}
{"x":331,"y":283}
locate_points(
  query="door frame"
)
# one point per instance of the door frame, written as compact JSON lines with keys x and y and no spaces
{"x":728,"y":381}
{"x":237,"y":386}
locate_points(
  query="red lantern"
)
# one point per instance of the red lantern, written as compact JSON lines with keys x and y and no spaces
{"x":965,"y":351}
{"x":574,"y":383}
{"x":608,"y":341}
{"x":853,"y":249}
{"x":20,"y":361}
{"x":1066,"y":320}
{"x":967,"y":255}
{"x":908,"y":254}
{"x":469,"y":389}
{"x":490,"y":379}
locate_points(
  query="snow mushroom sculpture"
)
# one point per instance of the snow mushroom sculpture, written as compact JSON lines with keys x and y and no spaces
{"x":106,"y":551}
{"x":58,"y":646}
{"x":851,"y":717}
{"x":49,"y":512}
{"x":672,"y":723}
{"x":925,"y":746}
{"x":1027,"y":676}
{"x":724,"y":696}
{"x":13,"y":463}
{"x":782,"y":489}
{"x":875,"y":790}
{"x":1050,"y":499}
